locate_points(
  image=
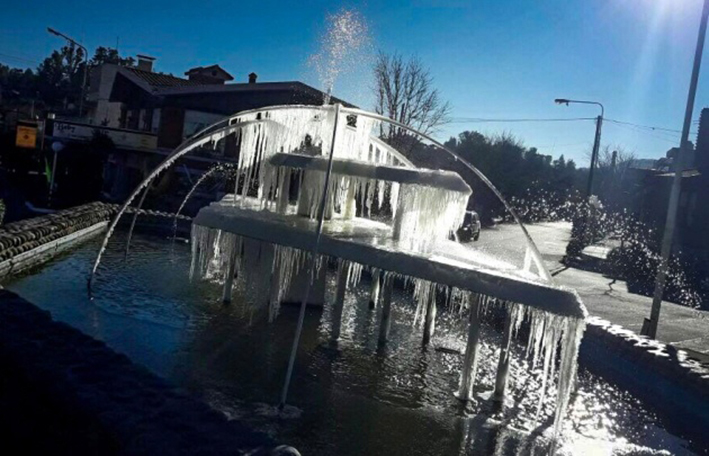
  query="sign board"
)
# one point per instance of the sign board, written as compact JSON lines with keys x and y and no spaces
{"x":121,"y":138}
{"x":26,"y":136}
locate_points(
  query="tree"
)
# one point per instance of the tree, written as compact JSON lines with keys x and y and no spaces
{"x":537,"y":187}
{"x":60,"y":76}
{"x":404,"y":92}
{"x":109,"y":55}
{"x":57,"y":81}
{"x":16,"y":85}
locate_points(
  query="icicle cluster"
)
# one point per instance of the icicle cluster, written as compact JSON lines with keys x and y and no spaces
{"x":213,"y":249}
{"x":427,"y":215}
{"x":306,"y":130}
{"x":354,"y":274}
{"x":548,"y":333}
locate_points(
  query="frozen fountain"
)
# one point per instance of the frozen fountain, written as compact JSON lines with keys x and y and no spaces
{"x":317,"y":186}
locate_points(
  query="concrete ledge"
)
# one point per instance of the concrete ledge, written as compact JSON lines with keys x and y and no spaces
{"x":137,"y":412}
{"x":32,"y":241}
{"x":45,"y":252}
{"x":660,"y":375}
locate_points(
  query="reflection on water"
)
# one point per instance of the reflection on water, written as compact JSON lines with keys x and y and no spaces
{"x":346,"y":399}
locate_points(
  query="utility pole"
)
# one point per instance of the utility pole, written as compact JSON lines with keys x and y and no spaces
{"x":594,"y":156}
{"x":650,"y":326}
{"x":86,"y":65}
{"x":596,"y":140}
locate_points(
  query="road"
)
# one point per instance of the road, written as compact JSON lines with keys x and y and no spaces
{"x":680,"y":326}
{"x":508,"y":241}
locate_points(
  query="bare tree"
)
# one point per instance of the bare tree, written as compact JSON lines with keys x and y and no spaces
{"x":405,"y":93}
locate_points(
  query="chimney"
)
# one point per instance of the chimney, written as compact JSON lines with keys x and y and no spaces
{"x":145,"y":63}
{"x":252,"y":78}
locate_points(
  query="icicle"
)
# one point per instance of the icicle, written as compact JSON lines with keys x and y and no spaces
{"x":394,"y":199}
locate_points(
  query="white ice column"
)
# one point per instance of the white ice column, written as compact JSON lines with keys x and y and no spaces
{"x":339,"y":304}
{"x":283,"y":193}
{"x":229,"y":279}
{"x":385,"y":324}
{"x":503,"y":366}
{"x":399,"y":217}
{"x":467,"y":376}
{"x":350,"y":210}
{"x":274,"y":292}
{"x":430,"y":324}
{"x":374,"y":292}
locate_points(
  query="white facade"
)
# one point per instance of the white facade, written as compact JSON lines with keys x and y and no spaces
{"x":105,"y":113}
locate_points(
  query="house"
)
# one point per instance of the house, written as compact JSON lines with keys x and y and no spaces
{"x":147,"y":114}
{"x":174,"y":108}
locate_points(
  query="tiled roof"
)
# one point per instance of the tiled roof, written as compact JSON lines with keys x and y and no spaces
{"x":162,"y":80}
{"x":212,"y":88}
{"x":295,"y":86}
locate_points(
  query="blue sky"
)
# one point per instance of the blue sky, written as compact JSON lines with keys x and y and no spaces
{"x":490,"y":59}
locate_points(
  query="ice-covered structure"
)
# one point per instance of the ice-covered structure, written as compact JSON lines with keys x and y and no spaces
{"x":316,"y":184}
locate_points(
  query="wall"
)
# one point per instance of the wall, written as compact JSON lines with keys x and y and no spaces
{"x":664,"y":378}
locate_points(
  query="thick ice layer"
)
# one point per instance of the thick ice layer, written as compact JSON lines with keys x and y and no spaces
{"x":371,"y":243}
{"x":429,"y":204}
{"x":445,"y":180}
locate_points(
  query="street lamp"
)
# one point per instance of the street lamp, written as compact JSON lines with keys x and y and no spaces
{"x":650,"y":325}
{"x":596,"y":141}
{"x":86,"y":65}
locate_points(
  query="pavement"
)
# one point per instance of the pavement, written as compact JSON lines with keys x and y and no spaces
{"x":609,"y":299}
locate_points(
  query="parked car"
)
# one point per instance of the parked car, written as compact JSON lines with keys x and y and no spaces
{"x":470,"y":229}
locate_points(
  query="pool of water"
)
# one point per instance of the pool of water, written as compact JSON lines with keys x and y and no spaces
{"x":349,"y":398}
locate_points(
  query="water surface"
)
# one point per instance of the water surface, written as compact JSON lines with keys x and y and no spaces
{"x":349,"y":398}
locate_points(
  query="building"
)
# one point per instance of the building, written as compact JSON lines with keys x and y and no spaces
{"x":691,"y":240}
{"x":146,"y":114}
{"x":173,"y":108}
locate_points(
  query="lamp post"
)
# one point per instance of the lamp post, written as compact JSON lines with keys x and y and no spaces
{"x":86,"y":65}
{"x":596,"y":141}
{"x":650,"y":326}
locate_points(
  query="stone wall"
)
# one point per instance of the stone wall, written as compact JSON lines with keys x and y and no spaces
{"x":664,"y":378}
{"x":32,"y":241}
{"x":24,"y":235}
{"x":107,"y":404}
